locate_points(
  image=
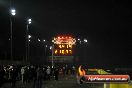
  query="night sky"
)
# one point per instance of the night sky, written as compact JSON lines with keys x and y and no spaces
{"x":106,"y":25}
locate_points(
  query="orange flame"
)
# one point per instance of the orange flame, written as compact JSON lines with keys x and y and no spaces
{"x":81,"y":71}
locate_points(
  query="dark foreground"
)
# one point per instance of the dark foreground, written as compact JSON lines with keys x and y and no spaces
{"x":63,"y":82}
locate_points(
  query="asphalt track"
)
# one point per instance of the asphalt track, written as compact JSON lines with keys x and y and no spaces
{"x":69,"y":82}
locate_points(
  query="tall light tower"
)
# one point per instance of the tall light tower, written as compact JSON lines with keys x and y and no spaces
{"x":27,"y":38}
{"x":12,"y":13}
{"x":52,"y":59}
{"x":45,"y":47}
{"x":52,"y":55}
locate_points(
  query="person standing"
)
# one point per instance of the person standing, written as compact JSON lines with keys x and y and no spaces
{"x":73,"y":70}
{"x":22,"y":74}
{"x":34,"y":76}
{"x":45,"y":74}
{"x":48,"y":71}
{"x":64,"y":70}
{"x":14,"y":75}
{"x":56,"y":72}
{"x":2,"y":74}
{"x":39,"y":77}
{"x":66,"y":67}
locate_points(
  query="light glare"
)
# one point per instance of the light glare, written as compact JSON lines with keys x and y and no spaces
{"x":50,"y":47}
{"x":29,"y":20}
{"x":39,"y":40}
{"x":13,"y":12}
{"x":85,"y":40}
{"x":29,"y":36}
{"x":44,"y":40}
{"x":78,"y":39}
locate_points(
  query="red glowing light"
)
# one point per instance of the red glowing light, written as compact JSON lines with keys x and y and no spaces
{"x":64,"y":40}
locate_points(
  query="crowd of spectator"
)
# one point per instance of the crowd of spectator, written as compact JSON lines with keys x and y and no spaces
{"x":32,"y":73}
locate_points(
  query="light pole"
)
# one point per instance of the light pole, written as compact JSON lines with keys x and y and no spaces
{"x":85,"y":49}
{"x":45,"y":50}
{"x":13,"y":13}
{"x":44,"y":53}
{"x":52,"y":55}
{"x":27,"y":38}
{"x":52,"y":59}
{"x":45,"y":47}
